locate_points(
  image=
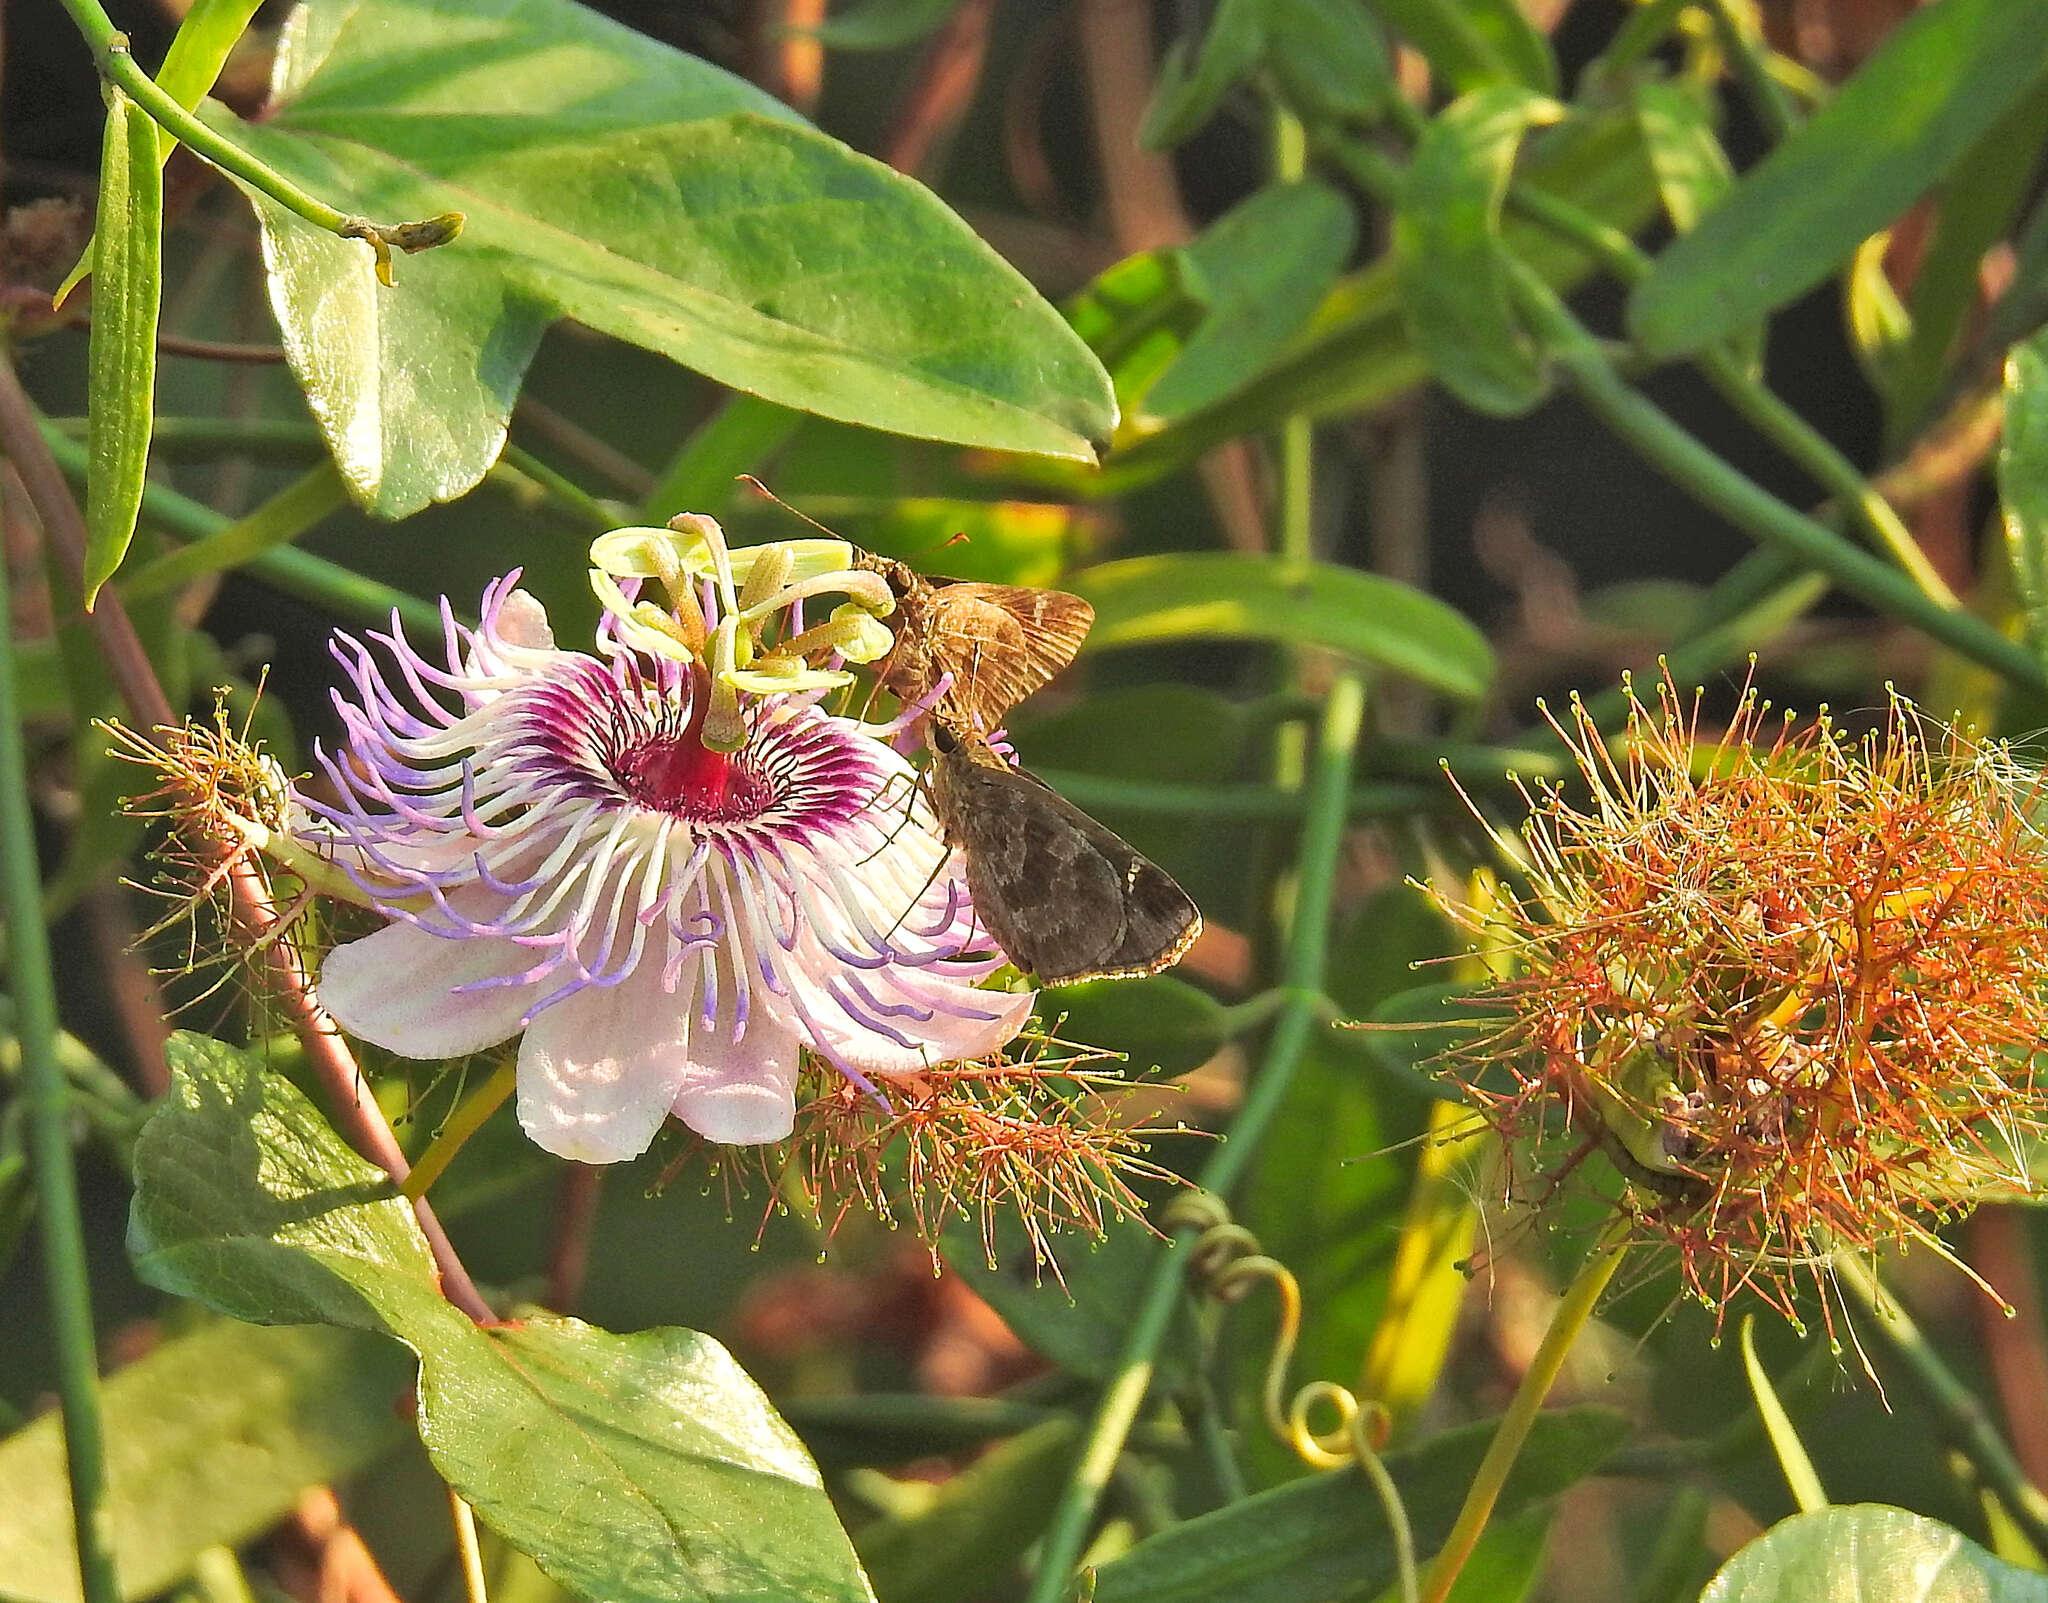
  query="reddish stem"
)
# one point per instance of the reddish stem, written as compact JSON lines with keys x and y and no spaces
{"x":569,"y":1252}
{"x":128,"y":665}
{"x":2001,"y":1250}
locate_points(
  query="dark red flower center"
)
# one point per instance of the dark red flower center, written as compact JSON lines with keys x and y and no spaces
{"x":680,"y":775}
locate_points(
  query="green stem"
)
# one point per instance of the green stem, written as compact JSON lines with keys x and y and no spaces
{"x":570,"y":496}
{"x":1749,"y":395}
{"x":1716,"y":484}
{"x":1573,"y":1314}
{"x":46,"y":1101}
{"x":1963,"y":1419}
{"x":1302,"y":975}
{"x":470,"y":1116}
{"x":110,"y":53}
{"x":277,"y":522}
{"x":340,"y":590}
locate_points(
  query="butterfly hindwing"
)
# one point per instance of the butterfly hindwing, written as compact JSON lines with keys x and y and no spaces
{"x":1065,"y":897}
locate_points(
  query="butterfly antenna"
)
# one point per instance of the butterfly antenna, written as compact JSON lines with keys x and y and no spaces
{"x":759,"y":488}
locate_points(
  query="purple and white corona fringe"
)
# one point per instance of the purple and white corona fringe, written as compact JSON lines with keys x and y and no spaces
{"x":673,"y":924}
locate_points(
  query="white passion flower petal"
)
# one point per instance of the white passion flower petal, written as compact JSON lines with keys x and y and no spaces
{"x":675,"y":926}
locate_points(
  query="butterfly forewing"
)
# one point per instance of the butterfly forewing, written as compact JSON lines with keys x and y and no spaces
{"x":1066,"y":898}
{"x":1000,"y":642}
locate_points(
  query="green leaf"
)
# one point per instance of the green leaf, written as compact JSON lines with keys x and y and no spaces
{"x":210,"y":1440}
{"x":1327,"y":59}
{"x":1448,"y":250}
{"x":1867,"y":1553}
{"x":978,"y":1525}
{"x":1326,"y":1537}
{"x":649,"y":1467}
{"x":1232,"y":595}
{"x":127,"y":294}
{"x":1474,"y":43}
{"x":883,"y":24}
{"x":1940,"y":79}
{"x":1678,"y":134}
{"x":1356,"y":354}
{"x":649,"y":196}
{"x":1163,"y":1026}
{"x":1077,"y":1312}
{"x":1979,"y":202}
{"x":1260,"y":271}
{"x":2023,"y":481}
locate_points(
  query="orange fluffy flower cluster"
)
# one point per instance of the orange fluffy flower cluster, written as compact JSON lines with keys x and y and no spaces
{"x":1793,"y":983}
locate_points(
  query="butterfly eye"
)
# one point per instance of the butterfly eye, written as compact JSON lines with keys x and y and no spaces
{"x":944,"y":741}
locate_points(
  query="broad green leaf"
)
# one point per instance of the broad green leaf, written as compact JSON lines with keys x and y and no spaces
{"x":978,"y":1525}
{"x":1260,"y":271}
{"x":1326,"y":1538}
{"x":1867,"y":1553}
{"x":883,"y":24}
{"x":127,"y":295}
{"x":1940,"y":79}
{"x":649,"y":1467}
{"x":1231,"y":595}
{"x":1163,"y":1026}
{"x":646,"y":194}
{"x":1448,"y":250}
{"x":1075,"y":1308}
{"x":2023,"y":481}
{"x":210,"y":1439}
{"x":1474,"y":43}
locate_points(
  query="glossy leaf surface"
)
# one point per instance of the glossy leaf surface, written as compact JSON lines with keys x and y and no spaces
{"x":648,"y":1467}
{"x":646,"y":194}
{"x":1867,"y":1553}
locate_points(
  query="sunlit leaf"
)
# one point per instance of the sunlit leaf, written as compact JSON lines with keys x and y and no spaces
{"x":1867,"y":1553}
{"x":1448,"y":250}
{"x":1230,"y":595}
{"x":646,"y":194}
{"x":211,"y":1438}
{"x":1940,"y":78}
{"x":648,"y":1467}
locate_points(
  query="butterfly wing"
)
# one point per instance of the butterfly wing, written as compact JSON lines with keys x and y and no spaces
{"x":1065,"y":897}
{"x":1000,"y":642}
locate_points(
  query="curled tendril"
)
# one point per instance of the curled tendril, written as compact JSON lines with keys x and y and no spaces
{"x":1225,"y":1262}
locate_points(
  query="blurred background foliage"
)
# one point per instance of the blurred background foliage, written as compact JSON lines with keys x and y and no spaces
{"x":1304,"y":238}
